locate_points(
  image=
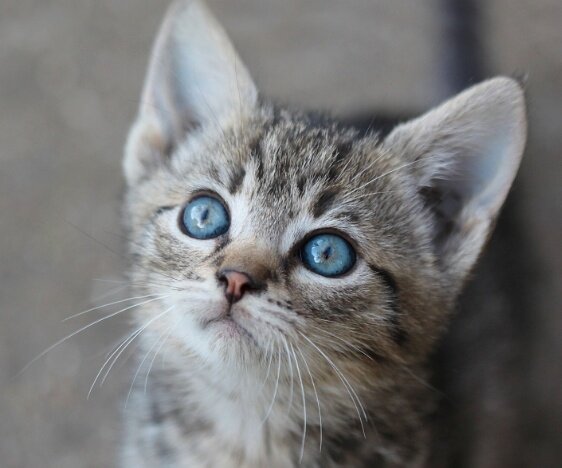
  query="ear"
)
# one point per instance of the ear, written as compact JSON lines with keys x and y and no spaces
{"x":195,"y":79}
{"x":465,"y":154}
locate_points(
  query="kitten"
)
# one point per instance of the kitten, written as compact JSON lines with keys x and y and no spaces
{"x":301,"y":273}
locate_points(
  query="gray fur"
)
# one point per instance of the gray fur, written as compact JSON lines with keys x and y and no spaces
{"x":417,"y":206}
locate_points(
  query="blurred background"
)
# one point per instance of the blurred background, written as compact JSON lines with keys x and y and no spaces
{"x":70,"y":76}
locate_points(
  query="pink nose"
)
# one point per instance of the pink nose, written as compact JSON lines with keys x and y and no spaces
{"x":237,"y":284}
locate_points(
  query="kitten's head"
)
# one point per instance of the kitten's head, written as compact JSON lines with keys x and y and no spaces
{"x":260,"y":228}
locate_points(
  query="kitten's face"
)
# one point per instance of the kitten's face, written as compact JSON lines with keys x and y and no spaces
{"x":407,"y":215}
{"x":282,"y":182}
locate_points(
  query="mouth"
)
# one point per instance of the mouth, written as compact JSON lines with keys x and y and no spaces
{"x":227,"y":327}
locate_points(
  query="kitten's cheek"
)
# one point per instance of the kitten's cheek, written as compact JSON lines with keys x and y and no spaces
{"x":197,"y":307}
{"x":187,"y":331}
{"x":264,"y":317}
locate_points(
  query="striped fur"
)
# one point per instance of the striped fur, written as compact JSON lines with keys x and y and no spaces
{"x":318,"y":372}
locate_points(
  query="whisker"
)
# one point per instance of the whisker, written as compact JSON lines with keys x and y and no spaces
{"x":159,"y":349}
{"x":279,"y":315}
{"x":143,"y":361}
{"x":370,"y":194}
{"x":315,"y":394}
{"x":347,"y":343}
{"x":275,"y":390}
{"x":303,"y":403}
{"x":291,"y":372}
{"x":421,"y":381}
{"x":124,"y":346}
{"x":382,"y":320}
{"x":366,"y":168}
{"x":130,"y":282}
{"x":353,"y":396}
{"x":53,"y":346}
{"x":391,"y":171}
{"x":374,"y":179}
{"x":269,"y":352}
{"x":160,"y":272}
{"x":107,"y":349}
{"x":111,"y":292}
{"x":109,"y":304}
{"x":343,"y":170}
{"x":144,"y":283}
{"x":109,"y":355}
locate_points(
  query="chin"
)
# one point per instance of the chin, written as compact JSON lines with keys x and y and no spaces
{"x":218,"y":333}
{"x":222,"y":339}
{"x":228,"y":332}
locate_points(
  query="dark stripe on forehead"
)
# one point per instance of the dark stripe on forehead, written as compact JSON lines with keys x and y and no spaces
{"x":256,"y":149}
{"x":343,"y":148}
{"x":341,"y":155}
{"x":301,"y":183}
{"x":324,"y":202}
{"x":236,"y":179}
{"x":259,"y":163}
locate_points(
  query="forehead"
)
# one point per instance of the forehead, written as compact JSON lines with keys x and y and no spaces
{"x":286,"y":173}
{"x":290,"y":157}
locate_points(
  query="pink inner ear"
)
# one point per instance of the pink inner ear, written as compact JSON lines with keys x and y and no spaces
{"x":195,"y":79}
{"x":468,"y":149}
{"x":471,"y":186}
{"x":195,"y":75}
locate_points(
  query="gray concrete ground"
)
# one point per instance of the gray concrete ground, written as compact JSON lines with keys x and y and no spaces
{"x":70,"y":75}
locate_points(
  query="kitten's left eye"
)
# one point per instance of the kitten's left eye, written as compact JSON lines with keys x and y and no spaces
{"x":204,"y":217}
{"x":328,"y":255}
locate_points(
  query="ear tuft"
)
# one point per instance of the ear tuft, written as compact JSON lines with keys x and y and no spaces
{"x":466,"y":153}
{"x":195,"y":79}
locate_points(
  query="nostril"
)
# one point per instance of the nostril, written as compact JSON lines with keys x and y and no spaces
{"x":221,"y":276}
{"x":236,"y":284}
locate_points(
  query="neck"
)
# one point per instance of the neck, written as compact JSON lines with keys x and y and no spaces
{"x":257,"y":415}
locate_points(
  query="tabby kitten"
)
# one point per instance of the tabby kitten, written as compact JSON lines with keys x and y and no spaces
{"x":299,"y":272}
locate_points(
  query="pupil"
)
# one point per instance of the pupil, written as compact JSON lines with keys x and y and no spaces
{"x":327,"y":253}
{"x":200,"y":215}
{"x":205,"y":214}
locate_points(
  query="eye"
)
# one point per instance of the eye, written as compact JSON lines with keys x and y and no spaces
{"x":328,"y":255}
{"x":204,"y":217}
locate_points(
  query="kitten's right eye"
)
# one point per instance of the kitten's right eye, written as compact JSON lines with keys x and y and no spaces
{"x":328,"y":255}
{"x":204,"y":217}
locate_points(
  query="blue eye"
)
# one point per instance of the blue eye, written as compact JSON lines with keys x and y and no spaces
{"x":205,"y":217}
{"x":328,"y":255}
